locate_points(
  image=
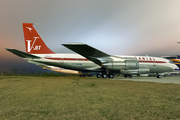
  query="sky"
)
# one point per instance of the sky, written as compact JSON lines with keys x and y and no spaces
{"x":118,"y":27}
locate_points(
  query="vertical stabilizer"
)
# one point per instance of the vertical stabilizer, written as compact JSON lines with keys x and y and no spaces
{"x":33,"y":42}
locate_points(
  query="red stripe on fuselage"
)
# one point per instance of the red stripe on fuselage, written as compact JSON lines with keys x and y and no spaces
{"x":145,"y":61}
{"x":82,"y":59}
{"x":76,"y":59}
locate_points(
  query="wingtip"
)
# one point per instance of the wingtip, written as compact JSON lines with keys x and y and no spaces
{"x":8,"y":48}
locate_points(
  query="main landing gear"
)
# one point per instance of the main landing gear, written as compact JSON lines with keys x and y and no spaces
{"x":126,"y":75}
{"x":158,"y":76}
{"x":105,"y":75}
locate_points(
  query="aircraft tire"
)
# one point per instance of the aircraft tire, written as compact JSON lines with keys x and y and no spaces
{"x":104,"y":75}
{"x":130,"y":76}
{"x":110,"y":76}
{"x":125,"y":75}
{"x":98,"y":75}
{"x":159,"y":76}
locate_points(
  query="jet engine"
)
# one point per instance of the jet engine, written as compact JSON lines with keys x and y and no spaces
{"x":131,"y":64}
{"x":139,"y":71}
{"x":121,"y":64}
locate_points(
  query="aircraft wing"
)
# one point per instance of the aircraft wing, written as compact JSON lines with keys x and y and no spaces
{"x":21,"y":54}
{"x":87,"y":52}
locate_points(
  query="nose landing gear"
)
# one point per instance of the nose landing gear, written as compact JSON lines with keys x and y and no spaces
{"x":158,"y":76}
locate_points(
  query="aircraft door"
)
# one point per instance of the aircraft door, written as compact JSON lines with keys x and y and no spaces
{"x":61,"y":60}
{"x":154,"y":62}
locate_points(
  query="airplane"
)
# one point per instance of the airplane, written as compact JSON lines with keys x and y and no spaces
{"x":174,"y":58}
{"x":88,"y":59}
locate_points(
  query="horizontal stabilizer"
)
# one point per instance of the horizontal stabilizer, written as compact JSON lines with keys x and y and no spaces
{"x":87,"y":51}
{"x":21,"y":54}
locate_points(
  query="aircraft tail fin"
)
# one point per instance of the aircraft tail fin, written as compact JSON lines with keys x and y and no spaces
{"x":33,"y":42}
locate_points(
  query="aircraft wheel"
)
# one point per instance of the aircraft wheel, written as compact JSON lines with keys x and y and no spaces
{"x":110,"y":76}
{"x":125,"y":75}
{"x":98,"y":75}
{"x":130,"y":76}
{"x":104,"y":75}
{"x":159,"y":76}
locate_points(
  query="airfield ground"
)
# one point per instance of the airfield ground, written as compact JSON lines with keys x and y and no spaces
{"x":26,"y":97}
{"x":172,"y":79}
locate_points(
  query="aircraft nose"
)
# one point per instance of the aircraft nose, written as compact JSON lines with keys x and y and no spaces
{"x":176,"y":67}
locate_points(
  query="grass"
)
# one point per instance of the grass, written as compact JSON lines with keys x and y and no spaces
{"x":86,"y":98}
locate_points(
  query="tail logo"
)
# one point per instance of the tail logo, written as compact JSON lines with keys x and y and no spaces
{"x":30,"y":29}
{"x":30,"y":47}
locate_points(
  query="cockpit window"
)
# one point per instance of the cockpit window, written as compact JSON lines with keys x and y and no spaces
{"x":170,"y":61}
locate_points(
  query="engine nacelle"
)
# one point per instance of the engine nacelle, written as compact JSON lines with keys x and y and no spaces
{"x":131,"y":64}
{"x":136,"y":71}
{"x":121,"y":65}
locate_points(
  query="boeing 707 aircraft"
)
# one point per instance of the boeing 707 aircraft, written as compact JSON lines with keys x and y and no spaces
{"x":174,"y":58}
{"x":88,"y":59}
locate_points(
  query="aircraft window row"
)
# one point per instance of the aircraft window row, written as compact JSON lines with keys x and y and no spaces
{"x":81,"y":59}
{"x":144,"y":58}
